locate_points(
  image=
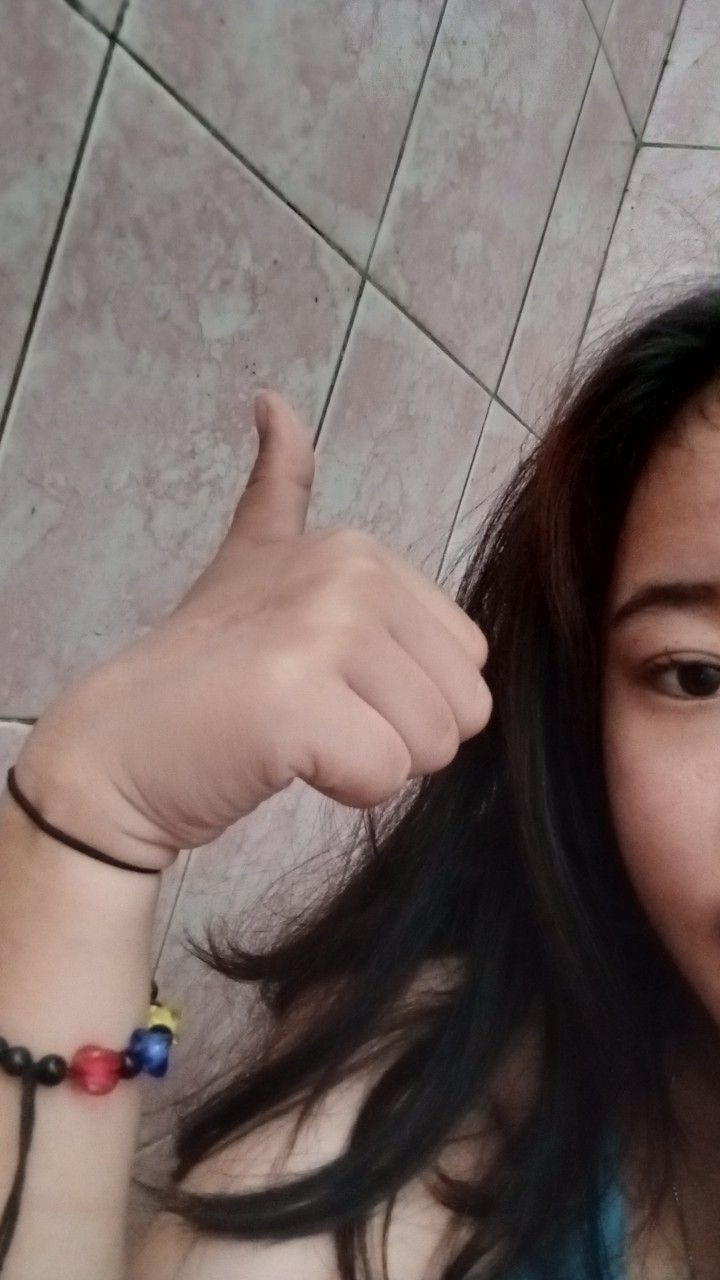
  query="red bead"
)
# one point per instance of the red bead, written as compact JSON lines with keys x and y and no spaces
{"x":95,"y":1070}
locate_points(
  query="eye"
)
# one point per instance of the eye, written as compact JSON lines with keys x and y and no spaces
{"x":697,"y":679}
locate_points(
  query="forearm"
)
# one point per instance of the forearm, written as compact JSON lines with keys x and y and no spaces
{"x":75,"y":961}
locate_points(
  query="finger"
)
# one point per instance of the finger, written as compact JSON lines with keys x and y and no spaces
{"x":468,"y":634}
{"x":347,"y":750}
{"x":390,"y":681}
{"x":458,"y":688}
{"x":275,"y":500}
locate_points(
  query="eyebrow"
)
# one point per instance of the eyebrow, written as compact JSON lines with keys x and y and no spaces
{"x":667,"y":595}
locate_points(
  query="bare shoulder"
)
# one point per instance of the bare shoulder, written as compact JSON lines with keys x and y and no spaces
{"x":421,"y":1231}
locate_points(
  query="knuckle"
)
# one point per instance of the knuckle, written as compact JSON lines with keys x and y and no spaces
{"x":331,"y":643}
{"x":348,"y":564}
{"x":445,"y":732}
{"x":347,"y":536}
{"x":356,"y":546}
{"x":335,"y":612}
{"x":485,"y":708}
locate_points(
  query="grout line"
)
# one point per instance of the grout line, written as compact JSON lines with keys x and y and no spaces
{"x":609,"y":61}
{"x":237,"y":155}
{"x":363,"y":272}
{"x":124,"y":6}
{"x":366,"y":269}
{"x":50,"y":256}
{"x":453,"y":523}
{"x":683,"y":146}
{"x":514,"y":414}
{"x":406,"y":135}
{"x":594,"y":24}
{"x":621,"y":95}
{"x":79,"y":8}
{"x":543,"y":234}
{"x":115,"y":39}
{"x":661,"y":72}
{"x":638,"y":145}
{"x":338,"y":362}
{"x":600,"y":273}
{"x":600,"y":33}
{"x":433,"y":337}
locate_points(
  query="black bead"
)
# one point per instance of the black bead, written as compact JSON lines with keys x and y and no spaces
{"x":16,"y":1060}
{"x":130,"y":1065}
{"x":52,"y":1069}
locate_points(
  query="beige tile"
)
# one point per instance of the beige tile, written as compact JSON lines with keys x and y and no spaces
{"x":49,"y":63}
{"x":687,"y":107}
{"x":479,"y":173}
{"x":180,"y":286}
{"x":637,"y":36}
{"x":598,"y":10}
{"x":572,"y":251}
{"x":316,"y":96}
{"x":665,"y":238}
{"x":105,"y":10}
{"x":503,"y":444}
{"x":399,"y":436}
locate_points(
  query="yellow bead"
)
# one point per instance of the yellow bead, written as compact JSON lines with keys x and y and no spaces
{"x":165,"y":1015}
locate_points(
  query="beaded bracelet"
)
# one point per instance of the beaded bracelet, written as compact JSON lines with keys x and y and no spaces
{"x":92,"y":1069}
{"x":96,"y":1070}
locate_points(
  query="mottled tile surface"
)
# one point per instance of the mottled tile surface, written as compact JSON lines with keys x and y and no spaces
{"x":106,"y":10}
{"x":181,"y":286}
{"x":399,"y":436}
{"x":503,"y":444}
{"x":637,"y":36}
{"x":598,"y":10}
{"x":666,"y":237}
{"x":480,"y":169}
{"x":316,"y":96}
{"x":49,"y":64}
{"x":687,"y":107}
{"x":572,"y":251}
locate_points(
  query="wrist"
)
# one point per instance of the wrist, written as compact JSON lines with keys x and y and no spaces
{"x":75,"y":941}
{"x":58,"y":777}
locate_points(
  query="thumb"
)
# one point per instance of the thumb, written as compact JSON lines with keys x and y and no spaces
{"x":274,"y":503}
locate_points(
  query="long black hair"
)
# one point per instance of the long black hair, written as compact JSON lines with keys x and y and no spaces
{"x":506,"y":863}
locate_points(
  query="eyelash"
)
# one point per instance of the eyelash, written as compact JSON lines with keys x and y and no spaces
{"x":659,"y":667}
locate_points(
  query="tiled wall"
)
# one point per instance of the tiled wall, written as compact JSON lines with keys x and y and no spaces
{"x":406,"y":217}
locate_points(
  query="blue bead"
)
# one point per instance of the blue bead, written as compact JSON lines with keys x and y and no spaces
{"x":152,"y":1046}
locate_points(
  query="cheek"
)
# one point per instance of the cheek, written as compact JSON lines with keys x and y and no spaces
{"x":665,"y":800}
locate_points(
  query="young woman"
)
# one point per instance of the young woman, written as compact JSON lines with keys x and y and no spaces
{"x":496,"y":1044}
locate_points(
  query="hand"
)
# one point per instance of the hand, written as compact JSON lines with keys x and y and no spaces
{"x":319,"y":655}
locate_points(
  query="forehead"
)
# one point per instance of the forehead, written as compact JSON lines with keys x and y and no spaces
{"x":672,"y":525}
